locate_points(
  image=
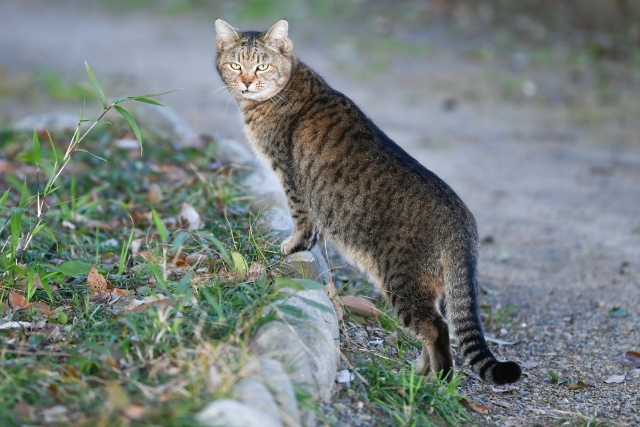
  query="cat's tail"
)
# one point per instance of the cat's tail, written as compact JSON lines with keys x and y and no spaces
{"x":461,"y":301}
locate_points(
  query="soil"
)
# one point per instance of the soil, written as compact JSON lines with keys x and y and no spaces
{"x":545,"y":152}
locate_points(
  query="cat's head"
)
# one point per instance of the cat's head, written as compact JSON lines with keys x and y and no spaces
{"x":253,"y":65}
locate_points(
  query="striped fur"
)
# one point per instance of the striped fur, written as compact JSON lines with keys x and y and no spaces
{"x":397,"y":220}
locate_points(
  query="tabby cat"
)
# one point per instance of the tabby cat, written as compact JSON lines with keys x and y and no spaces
{"x":397,"y":220}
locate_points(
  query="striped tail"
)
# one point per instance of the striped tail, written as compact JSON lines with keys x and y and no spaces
{"x":461,"y":290}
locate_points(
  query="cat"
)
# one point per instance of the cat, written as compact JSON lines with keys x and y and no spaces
{"x":397,"y":220}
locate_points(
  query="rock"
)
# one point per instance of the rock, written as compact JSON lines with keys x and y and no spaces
{"x":235,"y":152}
{"x":275,"y":340}
{"x":319,"y":335}
{"x":53,"y":122}
{"x":257,"y":396}
{"x":303,"y":265}
{"x":272,"y":373}
{"x":166,"y":122}
{"x":276,"y":220}
{"x":231,"y":413}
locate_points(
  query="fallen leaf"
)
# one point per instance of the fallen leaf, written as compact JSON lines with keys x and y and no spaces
{"x":615,"y":379}
{"x":555,"y":378}
{"x":501,"y":403}
{"x":17,"y":325}
{"x":190,"y":218}
{"x":632,"y":358}
{"x":529,"y":365}
{"x":135,"y":412}
{"x":196,"y":258}
{"x":17,"y":300}
{"x":344,"y":376}
{"x":96,"y":281}
{"x":618,"y":312}
{"x":154,"y":194}
{"x":360,"y":305}
{"x":498,"y":341}
{"x":577,"y":386}
{"x":479,"y":408}
{"x":41,"y":307}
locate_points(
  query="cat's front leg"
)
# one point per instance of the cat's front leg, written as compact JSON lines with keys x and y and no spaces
{"x":305,"y":234}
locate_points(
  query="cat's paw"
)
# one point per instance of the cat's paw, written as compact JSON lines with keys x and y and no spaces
{"x":421,"y":364}
{"x":288,"y":246}
{"x":298,"y":243}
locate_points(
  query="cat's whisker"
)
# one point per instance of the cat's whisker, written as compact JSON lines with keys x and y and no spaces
{"x":213,"y":92}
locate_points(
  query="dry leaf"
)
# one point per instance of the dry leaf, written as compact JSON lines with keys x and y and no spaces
{"x":17,"y":300}
{"x":615,"y":379}
{"x":41,"y":307}
{"x":528,"y":365}
{"x":479,"y":408}
{"x":255,"y":270}
{"x":96,"y":281}
{"x":360,"y":305}
{"x":502,"y":403}
{"x":196,"y":258}
{"x":154,"y":194}
{"x":632,"y":358}
{"x":135,"y":412}
{"x":190,"y":218}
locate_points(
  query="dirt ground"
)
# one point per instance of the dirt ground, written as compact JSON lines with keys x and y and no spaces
{"x":544,"y":150}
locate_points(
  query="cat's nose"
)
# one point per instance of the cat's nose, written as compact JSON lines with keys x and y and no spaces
{"x":247,"y":83}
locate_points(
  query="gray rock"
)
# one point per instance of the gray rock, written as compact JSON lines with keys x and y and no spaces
{"x":235,"y":152}
{"x":319,"y":335}
{"x":167,"y":122}
{"x":273,"y":375}
{"x":53,"y":122}
{"x":304,"y":265}
{"x":277,"y":221}
{"x":231,"y":413}
{"x":257,"y":396}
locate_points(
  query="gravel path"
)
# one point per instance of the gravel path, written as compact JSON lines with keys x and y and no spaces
{"x":553,"y":179}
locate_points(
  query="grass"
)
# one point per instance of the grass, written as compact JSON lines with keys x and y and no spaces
{"x":87,"y":355}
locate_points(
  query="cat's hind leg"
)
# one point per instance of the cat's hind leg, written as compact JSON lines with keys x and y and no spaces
{"x":417,"y":305}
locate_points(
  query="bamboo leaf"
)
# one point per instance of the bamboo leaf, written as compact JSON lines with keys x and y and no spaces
{"x":147,"y":100}
{"x":37,"y":154}
{"x":97,"y":86}
{"x":92,"y":155}
{"x":162,"y":229}
{"x":15,"y":223}
{"x":5,"y":196}
{"x":129,"y":118}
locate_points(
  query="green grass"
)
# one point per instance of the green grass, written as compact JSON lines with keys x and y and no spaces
{"x":96,"y":361}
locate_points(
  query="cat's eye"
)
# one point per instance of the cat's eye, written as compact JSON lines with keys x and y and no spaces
{"x":262,"y":67}
{"x":234,"y":65}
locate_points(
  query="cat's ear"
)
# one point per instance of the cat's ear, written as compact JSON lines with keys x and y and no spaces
{"x":226,"y":33}
{"x":276,"y":37}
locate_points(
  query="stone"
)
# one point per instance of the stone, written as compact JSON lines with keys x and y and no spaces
{"x":235,"y":152}
{"x":53,"y":122}
{"x":231,"y":413}
{"x":272,"y":373}
{"x":302,"y":265}
{"x":168,"y":123}
{"x":276,"y":220}
{"x":257,"y":396}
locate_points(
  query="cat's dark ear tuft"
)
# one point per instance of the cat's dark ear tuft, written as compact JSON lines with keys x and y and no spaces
{"x":226,"y":33}
{"x":276,"y":37}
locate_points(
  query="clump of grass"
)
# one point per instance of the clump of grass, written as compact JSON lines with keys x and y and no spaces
{"x":83,"y":357}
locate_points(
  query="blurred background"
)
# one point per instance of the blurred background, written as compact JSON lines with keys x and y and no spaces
{"x":429,"y":72}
